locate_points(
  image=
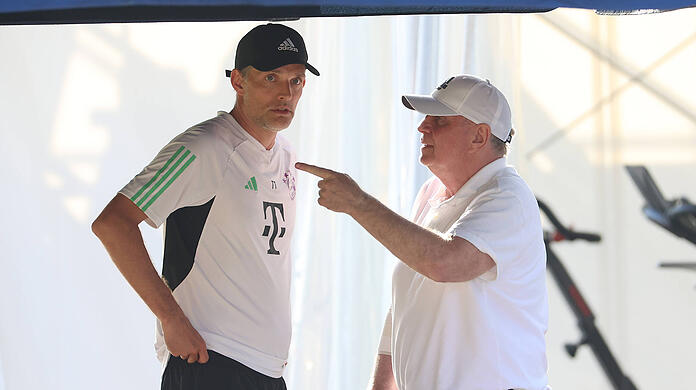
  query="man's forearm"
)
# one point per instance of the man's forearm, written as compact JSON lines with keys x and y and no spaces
{"x":443,"y":259}
{"x":117,"y":228}
{"x":124,"y":243}
{"x":420,"y":248}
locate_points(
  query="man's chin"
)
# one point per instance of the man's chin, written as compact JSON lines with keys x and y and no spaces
{"x":277,"y":127}
{"x":279,"y":124}
{"x":425,"y":159}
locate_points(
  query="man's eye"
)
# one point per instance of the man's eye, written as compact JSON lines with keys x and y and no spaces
{"x":270,"y":77}
{"x":296,"y":81}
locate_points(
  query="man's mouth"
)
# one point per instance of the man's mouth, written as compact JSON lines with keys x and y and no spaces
{"x":282,"y":111}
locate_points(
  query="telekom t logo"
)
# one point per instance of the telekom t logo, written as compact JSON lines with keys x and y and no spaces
{"x":267,"y":229}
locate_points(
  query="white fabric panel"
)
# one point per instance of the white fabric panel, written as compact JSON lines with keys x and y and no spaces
{"x":84,"y":108}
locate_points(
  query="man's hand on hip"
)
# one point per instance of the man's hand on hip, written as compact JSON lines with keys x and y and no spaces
{"x":184,"y":341}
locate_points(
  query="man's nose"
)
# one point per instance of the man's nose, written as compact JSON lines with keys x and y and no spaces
{"x":285,"y":91}
{"x":425,"y":127}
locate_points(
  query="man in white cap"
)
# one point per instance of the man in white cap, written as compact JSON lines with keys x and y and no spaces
{"x":226,"y":190}
{"x":469,"y":305}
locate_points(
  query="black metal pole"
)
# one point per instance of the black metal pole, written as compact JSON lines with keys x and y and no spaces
{"x":586,"y":322}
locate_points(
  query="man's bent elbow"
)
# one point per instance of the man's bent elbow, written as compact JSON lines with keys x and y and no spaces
{"x":98,"y":226}
{"x":107,"y":223}
{"x":118,"y":216}
{"x":104,"y":226}
{"x":450,"y":270}
{"x":442,"y":274}
{"x":435,"y":275}
{"x":445,"y":277}
{"x":459,"y":261}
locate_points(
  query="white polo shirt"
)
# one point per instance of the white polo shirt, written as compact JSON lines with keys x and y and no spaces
{"x":487,"y":333}
{"x":229,"y":207}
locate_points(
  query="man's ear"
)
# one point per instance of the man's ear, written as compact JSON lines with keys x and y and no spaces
{"x":237,"y":81}
{"x":482,"y":134}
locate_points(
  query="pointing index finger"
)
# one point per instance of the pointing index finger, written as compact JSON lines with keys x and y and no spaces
{"x":315,"y":170}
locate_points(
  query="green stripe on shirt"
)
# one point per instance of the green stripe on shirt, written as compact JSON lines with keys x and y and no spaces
{"x":179,"y":172}
{"x":166,"y":165}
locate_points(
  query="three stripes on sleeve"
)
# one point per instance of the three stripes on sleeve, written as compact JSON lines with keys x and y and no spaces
{"x":166,"y":175}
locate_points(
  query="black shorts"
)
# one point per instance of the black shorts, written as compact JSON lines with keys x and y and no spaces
{"x":219,"y":373}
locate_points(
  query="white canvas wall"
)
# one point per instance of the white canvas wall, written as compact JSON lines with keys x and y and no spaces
{"x":85,"y":107}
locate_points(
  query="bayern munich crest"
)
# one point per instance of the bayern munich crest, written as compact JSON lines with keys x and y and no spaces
{"x":289,"y":180}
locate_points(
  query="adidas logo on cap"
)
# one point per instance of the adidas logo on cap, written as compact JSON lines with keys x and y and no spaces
{"x":287,"y":45}
{"x":270,"y":46}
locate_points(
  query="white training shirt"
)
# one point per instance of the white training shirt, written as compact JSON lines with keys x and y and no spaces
{"x":229,"y":207}
{"x":487,"y":333}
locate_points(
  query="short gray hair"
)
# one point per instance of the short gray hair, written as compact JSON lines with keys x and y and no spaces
{"x":501,"y":146}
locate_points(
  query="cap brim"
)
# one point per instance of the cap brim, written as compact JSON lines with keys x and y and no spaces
{"x":427,"y":105}
{"x":312,"y":69}
{"x":309,"y":67}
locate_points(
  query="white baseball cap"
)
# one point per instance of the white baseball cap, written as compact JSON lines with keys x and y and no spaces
{"x":469,"y":96}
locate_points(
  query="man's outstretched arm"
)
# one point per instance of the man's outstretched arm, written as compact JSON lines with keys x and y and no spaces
{"x":440,"y":258}
{"x":117,"y":228}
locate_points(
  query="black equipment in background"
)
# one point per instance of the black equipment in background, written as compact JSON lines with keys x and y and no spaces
{"x":590,"y":335}
{"x":677,"y":216}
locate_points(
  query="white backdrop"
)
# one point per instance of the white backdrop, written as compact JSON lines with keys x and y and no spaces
{"x":85,"y":107}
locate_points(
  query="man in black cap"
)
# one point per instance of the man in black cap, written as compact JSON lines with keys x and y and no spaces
{"x":225,"y":190}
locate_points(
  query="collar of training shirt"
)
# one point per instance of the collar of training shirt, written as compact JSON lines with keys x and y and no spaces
{"x":257,"y":145}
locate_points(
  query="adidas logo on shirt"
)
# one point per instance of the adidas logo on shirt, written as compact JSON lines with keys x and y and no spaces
{"x":287,"y":45}
{"x":251,"y":184}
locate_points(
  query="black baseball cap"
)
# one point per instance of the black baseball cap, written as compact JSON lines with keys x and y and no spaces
{"x":271,"y":46}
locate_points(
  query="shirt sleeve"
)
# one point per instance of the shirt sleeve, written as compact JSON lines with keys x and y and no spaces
{"x":494,"y":224}
{"x":385,"y":341}
{"x":183,"y":173}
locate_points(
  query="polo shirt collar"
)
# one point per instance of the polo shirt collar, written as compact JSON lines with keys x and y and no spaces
{"x":472,"y":186}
